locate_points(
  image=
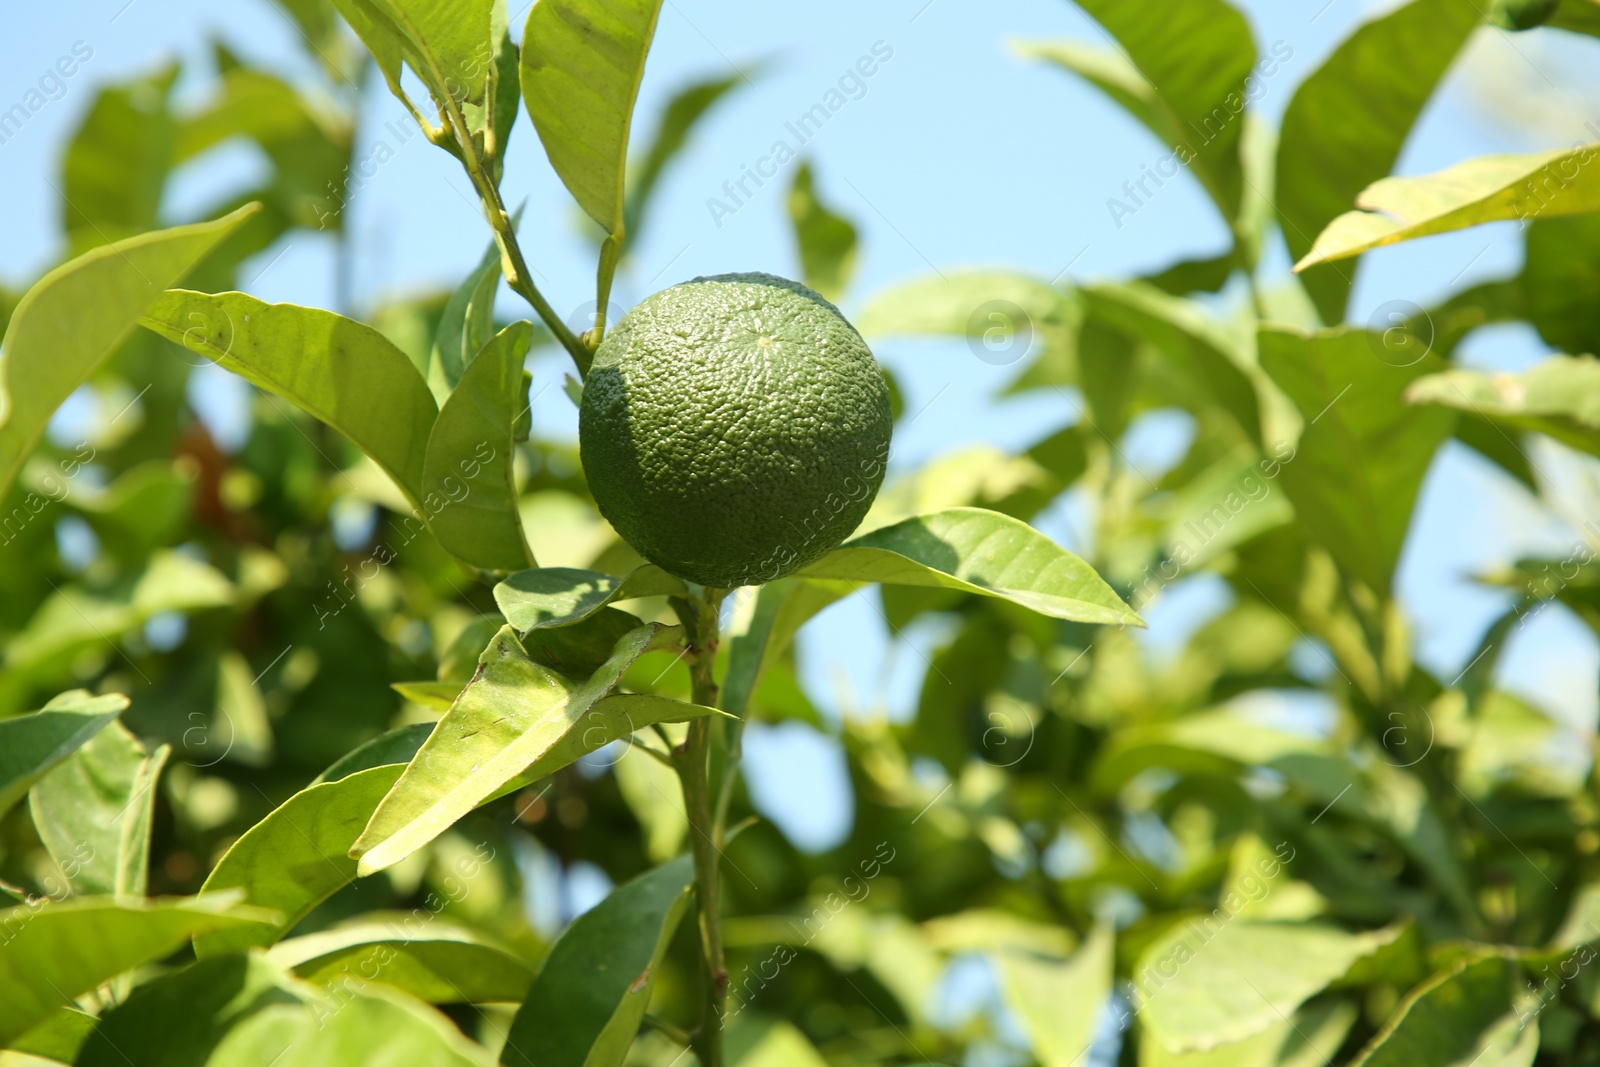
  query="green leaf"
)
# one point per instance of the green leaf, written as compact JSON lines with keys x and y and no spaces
{"x":470,"y":455}
{"x":396,"y":746}
{"x":1577,"y":16}
{"x":467,"y":322}
{"x":1347,"y":122}
{"x":591,"y":994}
{"x":981,"y":552}
{"x":1059,"y":1003}
{"x":1360,"y":461}
{"x":53,"y":344}
{"x":1220,"y":371}
{"x":449,"y":43}
{"x":56,"y":951}
{"x":93,"y":813}
{"x":430,"y":960}
{"x":115,"y":167}
{"x":183,"y":1016}
{"x":582,"y":61}
{"x":58,"y":1038}
{"x":436,"y":696}
{"x":1195,"y":56}
{"x":1459,"y":1018}
{"x":297,"y":857}
{"x":561,"y":596}
{"x":827,"y":241}
{"x":378,"y":1027}
{"x":579,"y":650}
{"x":1308,"y":1038}
{"x":1201,"y":986}
{"x":339,"y":371}
{"x":32,"y":745}
{"x":682,"y":112}
{"x":769,"y":1042}
{"x":1486,"y":189}
{"x":74,"y":617}
{"x":1194,"y":275}
{"x":514,"y":712}
{"x":1560,"y":281}
{"x":1559,"y":397}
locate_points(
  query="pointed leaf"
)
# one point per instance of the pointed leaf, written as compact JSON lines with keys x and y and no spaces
{"x":56,"y":951}
{"x":981,"y":552}
{"x":582,"y":62}
{"x":93,"y":813}
{"x":679,"y":117}
{"x":339,"y":371}
{"x":1486,"y":189}
{"x":67,"y":325}
{"x":1347,"y":122}
{"x":436,"y":963}
{"x":1059,"y":1004}
{"x":1559,"y":397}
{"x":1360,"y":462}
{"x":297,"y":857}
{"x":586,"y":1005}
{"x":827,"y":241}
{"x":31,"y":745}
{"x":469,"y":458}
{"x":1200,"y":986}
{"x":561,"y":596}
{"x":396,"y":746}
{"x":513,"y":712}
{"x":1195,"y":55}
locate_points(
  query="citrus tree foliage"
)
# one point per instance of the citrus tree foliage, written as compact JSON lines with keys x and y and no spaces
{"x":272,"y":792}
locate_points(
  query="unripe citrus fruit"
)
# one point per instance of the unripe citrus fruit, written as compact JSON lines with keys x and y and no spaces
{"x":734,"y":429}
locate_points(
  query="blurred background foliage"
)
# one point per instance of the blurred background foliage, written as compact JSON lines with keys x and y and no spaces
{"x":1065,"y":806}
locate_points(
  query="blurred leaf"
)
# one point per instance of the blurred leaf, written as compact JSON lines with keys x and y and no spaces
{"x":183,"y":1016}
{"x":58,"y":1038}
{"x":827,"y":241}
{"x":1204,"y":984}
{"x":1578,"y":16}
{"x":1513,"y":744}
{"x":57,"y":951}
{"x":1463,"y":1016}
{"x":591,"y":994}
{"x":1486,"y":189}
{"x":336,"y":369}
{"x":581,"y":100}
{"x":52,"y":345}
{"x":1497,"y":444}
{"x":644,"y":782}
{"x":296,"y":857}
{"x":1194,"y":276}
{"x":396,"y":746}
{"x":1060,"y":1004}
{"x":116,"y":164}
{"x":989,"y":930}
{"x":375,"y":1027}
{"x":1559,"y":397}
{"x":433,"y":962}
{"x":469,"y":458}
{"x":980,"y":552}
{"x":686,"y":108}
{"x":1347,"y":122}
{"x":768,"y":1042}
{"x":1195,"y":56}
{"x":1305,"y":1039}
{"x":561,"y":596}
{"x":73,"y":617}
{"x":513,"y":712}
{"x":1360,"y":462}
{"x":466,"y":324}
{"x":1561,"y":281}
{"x":93,"y":813}
{"x":32,"y":745}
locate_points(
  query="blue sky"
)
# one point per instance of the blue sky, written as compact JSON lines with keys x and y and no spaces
{"x":957,"y":153}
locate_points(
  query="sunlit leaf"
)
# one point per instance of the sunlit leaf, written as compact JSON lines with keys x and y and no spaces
{"x":561,"y":596}
{"x":1059,"y":1004}
{"x":53,"y":344}
{"x":1559,"y":397}
{"x":433,"y":961}
{"x":470,"y":454}
{"x":514,"y":712}
{"x":1308,"y":1038}
{"x":591,"y":994}
{"x":981,"y":552}
{"x":1486,"y":189}
{"x":32,"y":745}
{"x":93,"y":813}
{"x":296,"y":857}
{"x":1347,"y":122}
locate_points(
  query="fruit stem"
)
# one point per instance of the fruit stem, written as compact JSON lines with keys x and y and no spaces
{"x":694,"y":759}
